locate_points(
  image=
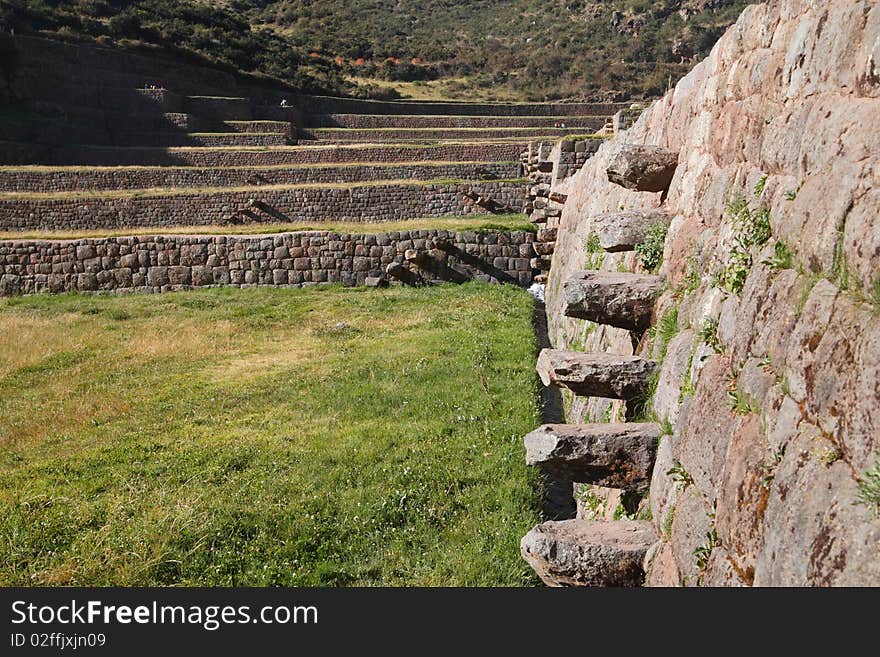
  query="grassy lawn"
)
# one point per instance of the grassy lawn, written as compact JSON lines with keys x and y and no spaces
{"x":266,"y":436}
{"x":478,"y":223}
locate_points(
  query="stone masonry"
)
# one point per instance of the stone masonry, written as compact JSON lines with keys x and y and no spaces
{"x":374,"y":203}
{"x":161,"y":263}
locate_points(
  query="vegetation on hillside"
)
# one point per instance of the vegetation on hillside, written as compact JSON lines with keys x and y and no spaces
{"x":489,"y":49}
{"x":267,"y":437}
{"x":199,"y":31}
{"x":593,"y":49}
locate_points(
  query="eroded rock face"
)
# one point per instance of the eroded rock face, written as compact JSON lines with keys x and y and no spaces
{"x":642,"y":168}
{"x":610,"y":455}
{"x":773,"y":390}
{"x":622,"y":231}
{"x":589,"y":553}
{"x":616,"y":299}
{"x":595,"y":375}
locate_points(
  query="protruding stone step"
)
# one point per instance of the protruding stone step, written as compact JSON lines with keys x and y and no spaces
{"x":595,"y":375}
{"x":643,"y":168}
{"x":538,"y":217}
{"x":621,"y":231}
{"x":616,"y":299}
{"x":547,"y":234}
{"x":589,"y":553}
{"x":619,"y":455}
{"x":544,"y":248}
{"x":541,"y":263}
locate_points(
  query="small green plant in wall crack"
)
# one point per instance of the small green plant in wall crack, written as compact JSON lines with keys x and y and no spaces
{"x":680,"y":476}
{"x":781,"y":258}
{"x":869,"y":489}
{"x":751,"y":228}
{"x":650,"y":249}
{"x":703,"y":552}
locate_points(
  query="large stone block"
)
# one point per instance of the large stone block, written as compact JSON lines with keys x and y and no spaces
{"x":609,"y":455}
{"x":616,"y":299}
{"x":643,"y":168}
{"x":595,"y":375}
{"x":622,"y":231}
{"x":588,"y":553}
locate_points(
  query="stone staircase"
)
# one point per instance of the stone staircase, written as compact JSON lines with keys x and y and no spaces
{"x":580,"y":552}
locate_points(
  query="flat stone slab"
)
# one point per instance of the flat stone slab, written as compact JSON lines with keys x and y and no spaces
{"x":622,"y":231}
{"x":616,"y":299}
{"x":588,"y":552}
{"x":642,"y":168}
{"x":595,"y":375}
{"x":619,"y":455}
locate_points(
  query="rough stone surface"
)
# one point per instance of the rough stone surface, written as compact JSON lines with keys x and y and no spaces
{"x":642,"y":168}
{"x":622,"y":231}
{"x":595,"y":375}
{"x":584,"y":553}
{"x":617,"y":299}
{"x":272,"y":205}
{"x":777,"y":430}
{"x":673,"y":372}
{"x":299,"y":258}
{"x":610,"y":455}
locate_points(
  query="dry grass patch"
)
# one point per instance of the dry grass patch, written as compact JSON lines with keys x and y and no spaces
{"x":282,"y":436}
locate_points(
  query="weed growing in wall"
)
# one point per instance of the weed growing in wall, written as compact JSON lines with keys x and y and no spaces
{"x":769,"y":469}
{"x":680,"y":476}
{"x":751,"y":228}
{"x":709,"y":334}
{"x":760,"y":185}
{"x":781,"y":258}
{"x":650,"y":250}
{"x":595,"y":254}
{"x":869,"y":489}
{"x":703,"y":552}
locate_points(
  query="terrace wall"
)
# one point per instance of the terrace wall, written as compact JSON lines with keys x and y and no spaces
{"x":97,"y":156}
{"x":113,"y":178}
{"x":163,"y":263}
{"x":373,"y":203}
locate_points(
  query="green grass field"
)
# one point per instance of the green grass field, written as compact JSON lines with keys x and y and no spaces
{"x":267,"y":436}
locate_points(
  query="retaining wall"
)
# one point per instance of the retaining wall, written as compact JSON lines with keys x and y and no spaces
{"x":12,"y":152}
{"x":588,"y":123}
{"x":162,"y":263}
{"x":111,"y":178}
{"x":372,"y":203}
{"x":342,"y":135}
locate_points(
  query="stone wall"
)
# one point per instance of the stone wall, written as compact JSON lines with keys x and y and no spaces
{"x":365,"y":121}
{"x":112,"y":178}
{"x":772,"y":387}
{"x":380,"y":135}
{"x":97,"y":156}
{"x":329,"y":105}
{"x":366,"y":203}
{"x":163,"y":263}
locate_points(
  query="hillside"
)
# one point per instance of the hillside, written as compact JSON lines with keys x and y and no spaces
{"x":550,"y":50}
{"x":198,"y":32}
{"x":483,"y":49}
